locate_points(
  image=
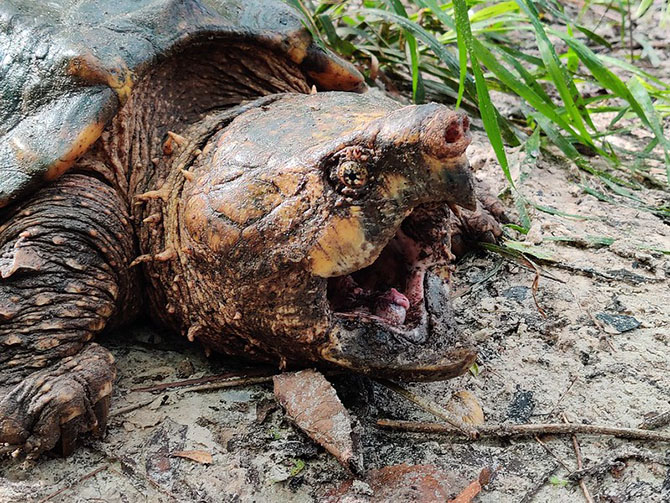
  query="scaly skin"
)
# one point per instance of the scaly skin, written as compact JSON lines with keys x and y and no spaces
{"x":64,"y":268}
{"x":235,"y":219}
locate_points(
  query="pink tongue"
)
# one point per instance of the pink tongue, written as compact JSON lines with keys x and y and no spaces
{"x":397,"y":298}
{"x":392,"y":306}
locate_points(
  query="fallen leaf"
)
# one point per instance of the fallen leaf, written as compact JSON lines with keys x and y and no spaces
{"x":475,"y":487}
{"x":312,"y":404}
{"x":202,"y":457}
{"x":466,"y":407}
{"x":401,"y":483}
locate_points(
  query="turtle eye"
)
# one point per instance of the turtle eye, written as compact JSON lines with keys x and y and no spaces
{"x":352,"y":175}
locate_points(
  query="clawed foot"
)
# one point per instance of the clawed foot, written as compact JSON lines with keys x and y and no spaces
{"x":481,"y":225}
{"x":52,"y":407}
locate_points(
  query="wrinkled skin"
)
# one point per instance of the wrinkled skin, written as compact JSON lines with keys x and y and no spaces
{"x":264,"y":181}
{"x":300,"y":229}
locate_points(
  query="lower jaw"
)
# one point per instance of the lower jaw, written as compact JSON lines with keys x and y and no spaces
{"x":433,"y":349}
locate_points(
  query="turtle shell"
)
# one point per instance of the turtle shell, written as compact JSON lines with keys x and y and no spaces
{"x":68,"y":66}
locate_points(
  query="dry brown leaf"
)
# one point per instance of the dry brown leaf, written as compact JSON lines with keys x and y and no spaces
{"x":202,"y":457}
{"x":469,"y":493}
{"x":466,"y":407}
{"x":416,"y":483}
{"x":312,"y":404}
{"x":474,"y":488}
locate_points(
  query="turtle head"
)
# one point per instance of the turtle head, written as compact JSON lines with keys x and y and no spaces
{"x":322,"y":222}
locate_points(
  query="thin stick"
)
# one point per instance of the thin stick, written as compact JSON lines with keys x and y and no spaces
{"x":130,"y":408}
{"x":617,"y":462}
{"x":526,"y":430}
{"x":552,"y":454}
{"x":205,"y":379}
{"x":630,"y":33}
{"x":434,"y":409}
{"x":565,"y":393}
{"x":657,"y":421}
{"x":231,"y":383}
{"x":580,"y":464}
{"x":71,"y":485}
{"x":534,"y":287}
{"x":531,"y":494}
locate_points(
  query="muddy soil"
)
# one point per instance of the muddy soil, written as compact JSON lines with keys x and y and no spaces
{"x":591,"y":344}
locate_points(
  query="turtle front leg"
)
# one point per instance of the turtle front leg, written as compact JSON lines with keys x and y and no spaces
{"x":64,"y":274}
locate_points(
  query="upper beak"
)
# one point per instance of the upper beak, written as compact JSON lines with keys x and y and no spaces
{"x":445,"y":136}
{"x":462,"y":182}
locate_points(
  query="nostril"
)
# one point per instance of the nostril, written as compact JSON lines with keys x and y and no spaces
{"x":453,"y":132}
{"x":466,"y":124}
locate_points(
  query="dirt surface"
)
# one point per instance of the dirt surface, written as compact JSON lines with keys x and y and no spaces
{"x":598,"y":354}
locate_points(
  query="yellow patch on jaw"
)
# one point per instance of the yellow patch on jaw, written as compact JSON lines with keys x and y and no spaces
{"x":81,"y":144}
{"x":396,"y":185}
{"x":341,"y":248}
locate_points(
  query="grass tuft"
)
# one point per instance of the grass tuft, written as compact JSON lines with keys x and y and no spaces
{"x":463,"y":51}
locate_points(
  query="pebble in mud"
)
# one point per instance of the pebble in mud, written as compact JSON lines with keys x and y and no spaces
{"x":621,"y":322}
{"x":522,"y":406}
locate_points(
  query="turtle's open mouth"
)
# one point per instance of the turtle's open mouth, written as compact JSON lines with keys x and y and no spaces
{"x":393,"y":318}
{"x":390,"y":291}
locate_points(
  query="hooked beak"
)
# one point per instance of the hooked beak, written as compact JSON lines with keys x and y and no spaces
{"x":444,"y":138}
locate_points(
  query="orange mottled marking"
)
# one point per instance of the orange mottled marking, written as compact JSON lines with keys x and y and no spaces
{"x":79,"y":146}
{"x":92,"y":70}
{"x":341,"y":248}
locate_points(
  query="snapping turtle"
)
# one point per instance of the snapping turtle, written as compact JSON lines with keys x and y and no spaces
{"x":206,"y":161}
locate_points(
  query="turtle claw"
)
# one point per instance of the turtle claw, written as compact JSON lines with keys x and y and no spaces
{"x":68,"y":437}
{"x":70,"y":430}
{"x":51,"y":408}
{"x":101,"y":410}
{"x":481,"y":225}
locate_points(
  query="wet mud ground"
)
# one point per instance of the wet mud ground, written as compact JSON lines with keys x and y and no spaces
{"x":598,"y":355}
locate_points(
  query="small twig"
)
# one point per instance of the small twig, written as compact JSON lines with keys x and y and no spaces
{"x":534,"y":287}
{"x":656,"y":421}
{"x":231,"y":383}
{"x":552,"y":453}
{"x":617,"y":461}
{"x":131,"y":407}
{"x":205,"y":379}
{"x":528,"y":497}
{"x":436,"y":410}
{"x":72,"y":484}
{"x":580,"y":464}
{"x":525,"y":430}
{"x":475,"y":487}
{"x":565,"y":393}
{"x":630,"y":34}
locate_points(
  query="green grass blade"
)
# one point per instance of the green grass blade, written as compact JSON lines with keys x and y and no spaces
{"x":463,"y":60}
{"x":423,"y":35}
{"x":557,"y":139}
{"x":594,"y":36}
{"x":487,"y":111}
{"x":528,"y":78}
{"x":515,"y":84}
{"x":602,"y":74}
{"x":564,"y":85}
{"x":418,"y":91}
{"x":642,"y":8}
{"x":444,"y":18}
{"x":638,"y":90}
